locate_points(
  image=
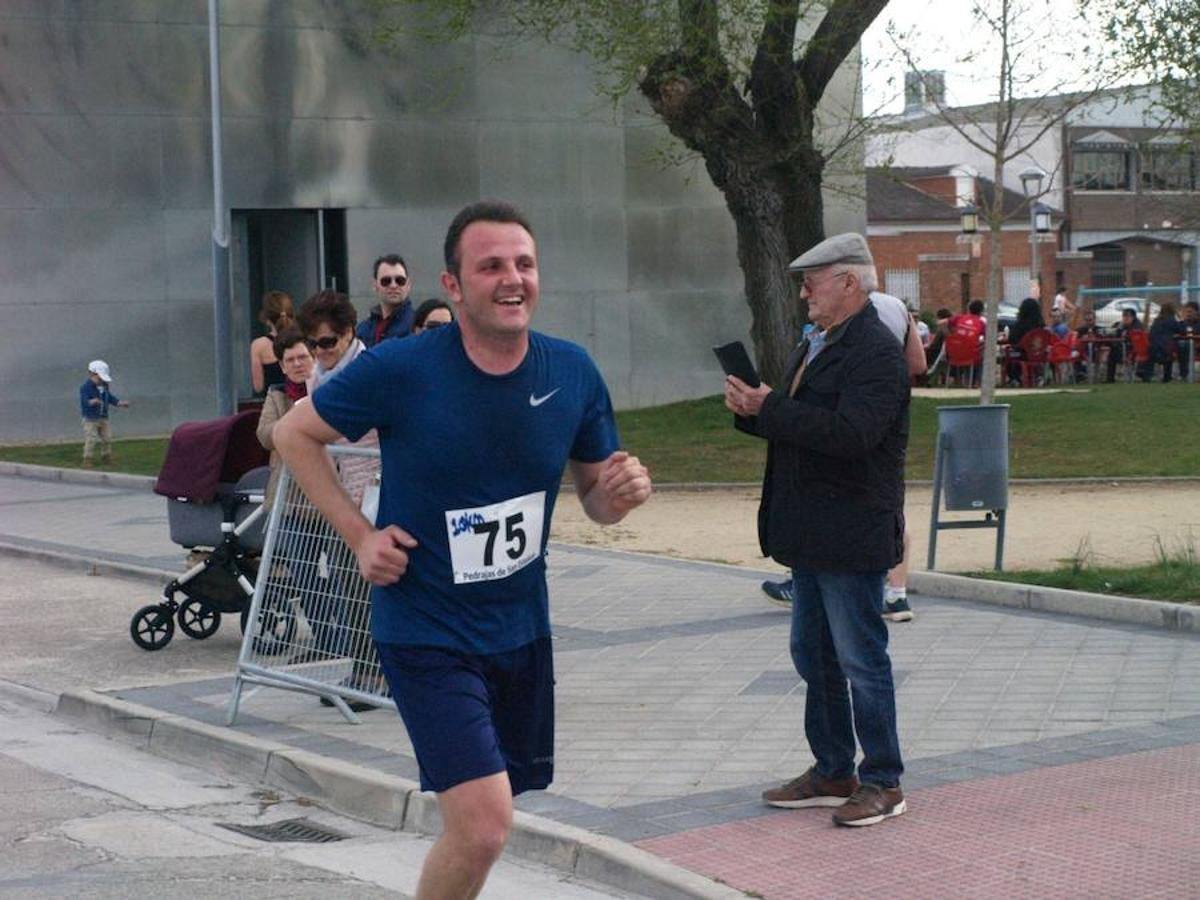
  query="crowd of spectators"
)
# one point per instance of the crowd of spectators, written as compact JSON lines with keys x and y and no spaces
{"x":1166,"y":347}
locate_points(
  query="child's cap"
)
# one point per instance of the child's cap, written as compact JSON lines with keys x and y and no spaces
{"x":100,"y":367}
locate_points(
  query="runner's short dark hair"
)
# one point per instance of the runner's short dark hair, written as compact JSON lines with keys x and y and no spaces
{"x":975,"y":307}
{"x":482,"y":211}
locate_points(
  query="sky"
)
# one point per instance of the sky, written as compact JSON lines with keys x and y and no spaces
{"x":943,"y":32}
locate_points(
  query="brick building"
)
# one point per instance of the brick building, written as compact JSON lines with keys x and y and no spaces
{"x":1122,"y":179}
{"x":915,"y":232}
{"x":1131,"y":199}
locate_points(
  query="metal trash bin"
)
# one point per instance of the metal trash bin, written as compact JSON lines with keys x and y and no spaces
{"x":976,"y":456}
{"x":971,"y":467}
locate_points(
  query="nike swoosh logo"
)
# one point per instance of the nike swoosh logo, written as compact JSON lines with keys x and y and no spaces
{"x":538,"y":401}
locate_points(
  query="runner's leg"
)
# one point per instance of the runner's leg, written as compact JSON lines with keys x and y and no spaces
{"x":476,"y":818}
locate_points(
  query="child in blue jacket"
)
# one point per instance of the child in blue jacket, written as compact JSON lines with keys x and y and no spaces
{"x":94,"y":400}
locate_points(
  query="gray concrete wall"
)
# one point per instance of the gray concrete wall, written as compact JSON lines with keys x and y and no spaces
{"x":105,"y":194}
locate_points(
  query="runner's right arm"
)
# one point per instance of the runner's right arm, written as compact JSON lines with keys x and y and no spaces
{"x":300,"y":438}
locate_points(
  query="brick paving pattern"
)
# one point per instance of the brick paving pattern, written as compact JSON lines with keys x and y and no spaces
{"x":1047,"y":756}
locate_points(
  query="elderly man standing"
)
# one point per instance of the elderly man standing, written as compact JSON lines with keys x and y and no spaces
{"x":833,"y":510}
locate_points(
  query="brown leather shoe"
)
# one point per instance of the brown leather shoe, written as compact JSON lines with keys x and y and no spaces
{"x":870,"y":804}
{"x":810,"y":789}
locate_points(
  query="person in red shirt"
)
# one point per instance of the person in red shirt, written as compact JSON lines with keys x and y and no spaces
{"x":970,"y":323}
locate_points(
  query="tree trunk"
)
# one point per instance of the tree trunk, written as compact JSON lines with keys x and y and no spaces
{"x":987,"y":384}
{"x":776,"y":220}
{"x":987,"y":377}
{"x":771,"y":181}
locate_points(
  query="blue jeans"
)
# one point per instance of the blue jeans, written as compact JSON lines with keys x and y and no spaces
{"x":839,"y":636}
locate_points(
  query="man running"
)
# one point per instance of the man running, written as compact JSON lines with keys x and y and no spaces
{"x":476,"y":422}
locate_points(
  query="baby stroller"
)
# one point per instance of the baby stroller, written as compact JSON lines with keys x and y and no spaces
{"x":213,"y":477}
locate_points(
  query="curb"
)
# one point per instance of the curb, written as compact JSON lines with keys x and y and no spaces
{"x":29,"y":697}
{"x":78,"y":476}
{"x":1179,"y":617}
{"x":385,"y":800}
{"x":90,"y":565}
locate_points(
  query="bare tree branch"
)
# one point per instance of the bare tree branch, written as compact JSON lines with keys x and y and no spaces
{"x":772,"y":82}
{"x":837,"y":35}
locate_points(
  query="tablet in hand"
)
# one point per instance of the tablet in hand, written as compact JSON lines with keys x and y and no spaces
{"x":736,"y":361}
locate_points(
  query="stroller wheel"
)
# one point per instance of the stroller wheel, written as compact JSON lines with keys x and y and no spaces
{"x":197,"y":619}
{"x":152,"y":627}
{"x":275,"y":631}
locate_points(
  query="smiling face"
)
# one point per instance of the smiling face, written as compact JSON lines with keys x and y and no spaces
{"x":496,"y":289}
{"x":328,"y":346}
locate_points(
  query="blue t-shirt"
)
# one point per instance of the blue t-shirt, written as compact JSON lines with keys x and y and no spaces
{"x":471,"y":469}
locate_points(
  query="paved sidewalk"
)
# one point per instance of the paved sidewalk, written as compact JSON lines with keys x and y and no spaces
{"x":1047,"y":755}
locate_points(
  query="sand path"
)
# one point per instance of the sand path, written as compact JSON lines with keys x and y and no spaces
{"x":1119,"y":522}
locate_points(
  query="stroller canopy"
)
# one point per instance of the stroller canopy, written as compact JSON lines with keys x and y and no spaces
{"x":202,"y":455}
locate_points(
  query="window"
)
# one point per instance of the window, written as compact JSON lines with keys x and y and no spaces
{"x":1100,"y":169}
{"x":1016,"y":284}
{"x":1108,"y":266}
{"x":903,"y":283}
{"x":1167,"y":168}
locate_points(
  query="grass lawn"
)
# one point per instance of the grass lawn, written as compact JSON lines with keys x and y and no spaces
{"x":1174,"y":577}
{"x":137,"y":456}
{"x":1118,"y":431}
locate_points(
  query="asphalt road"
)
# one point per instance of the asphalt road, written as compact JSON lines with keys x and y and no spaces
{"x":88,"y":816}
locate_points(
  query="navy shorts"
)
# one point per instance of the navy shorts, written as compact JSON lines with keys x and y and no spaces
{"x":470,"y":716}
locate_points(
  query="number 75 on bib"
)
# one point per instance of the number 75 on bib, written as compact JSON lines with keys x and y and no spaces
{"x":488,"y":543}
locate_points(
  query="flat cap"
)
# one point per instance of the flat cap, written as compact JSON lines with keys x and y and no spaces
{"x":848,"y":249}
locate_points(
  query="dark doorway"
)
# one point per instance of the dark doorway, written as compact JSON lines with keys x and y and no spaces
{"x":298,"y":251}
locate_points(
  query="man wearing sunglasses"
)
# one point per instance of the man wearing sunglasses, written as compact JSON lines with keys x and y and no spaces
{"x":393,"y":317}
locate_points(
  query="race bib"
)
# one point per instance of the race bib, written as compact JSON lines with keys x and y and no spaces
{"x":492,"y":542}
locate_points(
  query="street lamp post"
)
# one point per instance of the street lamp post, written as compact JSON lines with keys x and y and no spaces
{"x":1039,"y":213}
{"x":968,"y":219}
{"x":222,"y":326}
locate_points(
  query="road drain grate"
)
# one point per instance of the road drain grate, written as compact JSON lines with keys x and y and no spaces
{"x":299,"y":830}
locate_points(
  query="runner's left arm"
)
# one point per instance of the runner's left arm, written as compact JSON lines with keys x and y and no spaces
{"x":611,"y":488}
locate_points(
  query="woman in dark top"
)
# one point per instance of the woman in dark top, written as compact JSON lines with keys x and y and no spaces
{"x":1029,"y":318}
{"x":277,"y":315}
{"x":1164,"y":336}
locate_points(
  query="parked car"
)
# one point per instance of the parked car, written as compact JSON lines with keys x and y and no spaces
{"x":1108,"y":312}
{"x":1006,"y":317}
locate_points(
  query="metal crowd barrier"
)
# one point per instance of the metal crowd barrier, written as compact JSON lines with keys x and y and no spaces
{"x":312,"y":604}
